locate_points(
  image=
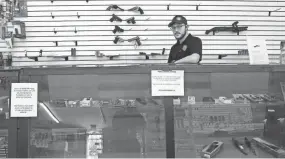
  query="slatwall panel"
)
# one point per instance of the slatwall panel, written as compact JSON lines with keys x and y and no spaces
{"x":94,"y":30}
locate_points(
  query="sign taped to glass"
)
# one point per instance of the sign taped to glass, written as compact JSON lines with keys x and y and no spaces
{"x":167,"y":83}
{"x":24,"y":100}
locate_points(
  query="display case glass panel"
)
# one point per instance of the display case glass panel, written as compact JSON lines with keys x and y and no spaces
{"x":112,"y":114}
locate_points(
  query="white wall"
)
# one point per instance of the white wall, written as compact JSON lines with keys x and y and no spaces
{"x":95,"y":30}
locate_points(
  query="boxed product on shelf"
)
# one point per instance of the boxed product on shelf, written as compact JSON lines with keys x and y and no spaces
{"x":266,"y":97}
{"x":239,"y":98}
{"x":253,"y":98}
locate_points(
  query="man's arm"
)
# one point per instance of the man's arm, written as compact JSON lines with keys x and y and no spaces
{"x":195,"y":57}
{"x":192,"y":59}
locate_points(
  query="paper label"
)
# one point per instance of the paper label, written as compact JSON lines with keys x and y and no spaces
{"x":24,"y":99}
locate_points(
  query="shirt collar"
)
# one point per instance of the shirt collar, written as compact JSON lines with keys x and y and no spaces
{"x":177,"y":41}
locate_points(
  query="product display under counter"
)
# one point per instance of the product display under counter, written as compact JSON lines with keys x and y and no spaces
{"x":220,"y":103}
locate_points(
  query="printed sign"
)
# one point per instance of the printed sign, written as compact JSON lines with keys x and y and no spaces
{"x":167,"y":83}
{"x":257,"y":50}
{"x":24,"y":99}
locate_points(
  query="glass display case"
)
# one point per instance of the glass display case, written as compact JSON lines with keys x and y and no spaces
{"x":110,"y":113}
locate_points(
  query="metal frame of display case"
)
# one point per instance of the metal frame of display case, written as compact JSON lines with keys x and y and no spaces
{"x":14,"y":137}
{"x":23,"y":124}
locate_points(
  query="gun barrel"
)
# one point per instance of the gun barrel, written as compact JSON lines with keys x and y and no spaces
{"x":132,"y":39}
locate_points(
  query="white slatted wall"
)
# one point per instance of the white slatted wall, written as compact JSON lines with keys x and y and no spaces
{"x":94,"y":30}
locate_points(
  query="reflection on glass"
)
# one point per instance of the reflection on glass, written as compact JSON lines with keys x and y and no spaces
{"x":6,"y":78}
{"x":87,"y":117}
{"x":4,"y":116}
{"x":89,"y":126}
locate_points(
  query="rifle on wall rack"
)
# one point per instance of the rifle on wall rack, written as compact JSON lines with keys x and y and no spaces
{"x":234,"y":28}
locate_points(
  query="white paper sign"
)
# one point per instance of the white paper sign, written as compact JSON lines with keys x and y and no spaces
{"x":257,"y":50}
{"x":24,"y":99}
{"x":167,"y":83}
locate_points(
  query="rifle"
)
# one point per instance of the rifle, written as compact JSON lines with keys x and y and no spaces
{"x":137,"y":9}
{"x":115,"y":7}
{"x":137,"y":39}
{"x":118,"y":39}
{"x":131,"y":20}
{"x":117,"y":29}
{"x":115,"y":18}
{"x":234,"y":29}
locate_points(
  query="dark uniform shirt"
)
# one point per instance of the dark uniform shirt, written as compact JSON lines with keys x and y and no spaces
{"x":189,"y":46}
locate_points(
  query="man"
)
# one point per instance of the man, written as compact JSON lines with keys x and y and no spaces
{"x":188,"y":49}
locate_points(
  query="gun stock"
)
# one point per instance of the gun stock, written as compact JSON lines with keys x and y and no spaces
{"x":208,"y":31}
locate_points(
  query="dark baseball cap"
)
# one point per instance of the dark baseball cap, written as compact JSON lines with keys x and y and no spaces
{"x":178,"y":19}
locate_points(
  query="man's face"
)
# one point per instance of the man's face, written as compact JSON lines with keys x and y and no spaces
{"x":179,"y":30}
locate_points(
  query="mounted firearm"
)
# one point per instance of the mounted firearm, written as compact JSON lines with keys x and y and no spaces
{"x":118,"y":29}
{"x":118,"y":39}
{"x":234,"y":29}
{"x":131,"y":20}
{"x":137,"y":39}
{"x":115,"y":18}
{"x":114,"y":7}
{"x":138,"y":9}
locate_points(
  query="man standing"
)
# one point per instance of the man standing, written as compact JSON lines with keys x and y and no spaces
{"x":188,"y":49}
